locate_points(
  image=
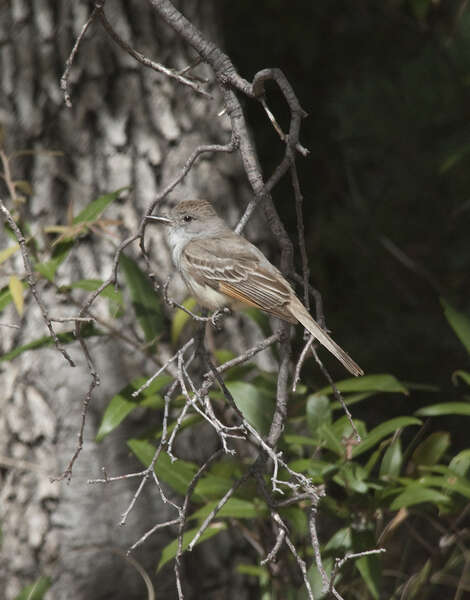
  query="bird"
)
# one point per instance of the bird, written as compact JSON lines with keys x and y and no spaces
{"x":222,"y":269}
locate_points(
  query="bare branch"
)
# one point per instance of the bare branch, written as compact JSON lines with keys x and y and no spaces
{"x":32,"y":281}
{"x":146,"y":61}
{"x":68,"y":63}
{"x":281,"y":534}
{"x":300,"y":362}
{"x":184,"y":514}
{"x":211,"y":516}
{"x":150,"y":532}
{"x":337,"y":395}
{"x":301,"y":232}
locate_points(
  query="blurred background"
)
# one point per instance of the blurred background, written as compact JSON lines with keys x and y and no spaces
{"x":386,"y":185}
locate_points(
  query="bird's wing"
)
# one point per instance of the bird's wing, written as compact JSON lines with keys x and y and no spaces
{"x":236,"y":271}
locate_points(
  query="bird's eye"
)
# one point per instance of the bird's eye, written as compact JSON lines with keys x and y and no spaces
{"x":187,"y":218}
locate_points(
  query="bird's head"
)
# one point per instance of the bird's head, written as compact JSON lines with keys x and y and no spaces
{"x":191,"y":218}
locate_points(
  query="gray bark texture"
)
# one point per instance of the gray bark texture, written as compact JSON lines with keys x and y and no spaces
{"x":129,"y":126}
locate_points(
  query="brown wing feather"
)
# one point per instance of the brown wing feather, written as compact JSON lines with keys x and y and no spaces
{"x":237,"y":294}
{"x":239,"y":276}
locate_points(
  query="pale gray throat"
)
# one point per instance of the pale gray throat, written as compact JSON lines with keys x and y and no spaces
{"x":178,"y":238}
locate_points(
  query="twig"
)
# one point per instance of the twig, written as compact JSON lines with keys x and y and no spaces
{"x":147,"y":61}
{"x":150,"y":532}
{"x":148,"y":471}
{"x":300,"y":362}
{"x":339,"y":562}
{"x":107,"y":479}
{"x":302,"y":567}
{"x":32,"y":281}
{"x":150,"y":380}
{"x":301,"y":232}
{"x":73,"y":319}
{"x":183,"y":517}
{"x":241,"y":358}
{"x":337,"y":394}
{"x":211,"y":516}
{"x":281,"y":534}
{"x":312,"y":524}
{"x":231,"y":146}
{"x":213,"y":318}
{"x":68,"y":63}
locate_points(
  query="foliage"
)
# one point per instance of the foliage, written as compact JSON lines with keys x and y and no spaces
{"x":36,"y":590}
{"x":399,"y":477}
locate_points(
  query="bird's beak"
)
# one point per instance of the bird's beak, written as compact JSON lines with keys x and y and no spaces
{"x":164,"y":220}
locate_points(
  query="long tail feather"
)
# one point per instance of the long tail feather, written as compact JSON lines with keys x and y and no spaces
{"x":301,"y":314}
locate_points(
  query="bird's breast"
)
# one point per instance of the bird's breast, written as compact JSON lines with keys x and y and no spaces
{"x":207,"y":296}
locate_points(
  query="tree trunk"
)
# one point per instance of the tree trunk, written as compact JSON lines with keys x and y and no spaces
{"x":129,"y":126}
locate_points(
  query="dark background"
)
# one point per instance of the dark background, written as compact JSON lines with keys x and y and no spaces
{"x":387,"y":184}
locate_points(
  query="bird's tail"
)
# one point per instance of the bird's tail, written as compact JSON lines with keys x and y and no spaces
{"x":299,"y":311}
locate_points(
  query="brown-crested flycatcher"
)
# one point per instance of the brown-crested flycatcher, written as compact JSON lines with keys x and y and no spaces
{"x":223,"y":269}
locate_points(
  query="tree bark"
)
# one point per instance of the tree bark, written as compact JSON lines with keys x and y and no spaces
{"x":128,"y":126}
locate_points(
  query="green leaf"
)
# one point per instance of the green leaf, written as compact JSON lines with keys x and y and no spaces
{"x":123,"y":403}
{"x":301,"y":440}
{"x":5,"y":254}
{"x":461,"y":462}
{"x":116,"y":411}
{"x":16,"y":291}
{"x":444,"y":408}
{"x":5,"y":297}
{"x":178,"y":474}
{"x":88,"y":330}
{"x":318,"y":412}
{"x":234,"y":508}
{"x":421,"y":387}
{"x":256,"y":405}
{"x":381,"y":431}
{"x":169,"y":552}
{"x":90,"y":285}
{"x":297,"y":520}
{"x":316,"y":468}
{"x":146,"y":304}
{"x":449,"y":483}
{"x":180,"y":318}
{"x":351,"y":399}
{"x":36,"y":590}
{"x":253,"y":570}
{"x":417,"y":494}
{"x":374,"y":458}
{"x":368,"y":383}
{"x":418,"y":580}
{"x":213,"y":486}
{"x":431,"y":450}
{"x":352,"y":477}
{"x":48,"y":269}
{"x":369,"y":568}
{"x":331,"y":439}
{"x":316,"y":582}
{"x":392,"y":460}
{"x":459,"y":322}
{"x":341,"y":540}
{"x":464,"y":376}
{"x":94,"y":209}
